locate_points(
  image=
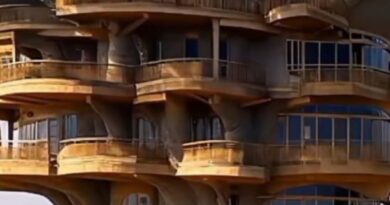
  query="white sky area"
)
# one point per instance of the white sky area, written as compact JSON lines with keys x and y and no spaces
{"x":18,"y":198}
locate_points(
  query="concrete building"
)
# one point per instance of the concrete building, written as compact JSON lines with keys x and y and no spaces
{"x":196,"y":102}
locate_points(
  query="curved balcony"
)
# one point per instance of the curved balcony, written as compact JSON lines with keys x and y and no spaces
{"x":196,"y":75}
{"x":102,"y":156}
{"x":52,"y":79}
{"x":225,"y":160}
{"x":340,"y":159}
{"x":25,"y":158}
{"x":340,"y":80}
{"x":303,"y":15}
{"x":215,"y":8}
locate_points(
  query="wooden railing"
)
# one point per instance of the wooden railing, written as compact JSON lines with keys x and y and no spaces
{"x":357,"y":74}
{"x":224,"y":152}
{"x":66,"y":70}
{"x":115,"y":147}
{"x":25,"y":150}
{"x":268,"y":5}
{"x":199,"y":68}
{"x":249,"y":6}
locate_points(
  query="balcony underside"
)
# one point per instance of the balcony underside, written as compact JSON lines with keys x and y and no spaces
{"x":234,"y":174}
{"x":202,"y":86}
{"x":24,"y":167}
{"x":131,"y":9}
{"x":344,"y":89}
{"x":304,"y":17}
{"x":60,"y":89}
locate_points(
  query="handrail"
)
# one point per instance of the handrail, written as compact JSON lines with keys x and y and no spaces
{"x":66,"y":63}
{"x":107,"y":73}
{"x":269,"y":5}
{"x":199,"y":68}
{"x":248,"y":6}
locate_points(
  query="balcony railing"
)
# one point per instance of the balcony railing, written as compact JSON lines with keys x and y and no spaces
{"x":25,"y":150}
{"x":223,"y":152}
{"x":66,"y":70}
{"x":268,"y":5}
{"x":248,"y":6}
{"x":111,"y":147}
{"x":357,"y":74}
{"x":337,"y":153}
{"x":197,"y":68}
{"x":27,"y":15}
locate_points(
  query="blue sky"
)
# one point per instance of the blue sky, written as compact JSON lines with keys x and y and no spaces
{"x":16,"y":198}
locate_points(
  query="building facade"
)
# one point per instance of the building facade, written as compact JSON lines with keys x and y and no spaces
{"x":196,"y":102}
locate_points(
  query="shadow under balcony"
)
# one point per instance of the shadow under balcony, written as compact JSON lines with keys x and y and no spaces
{"x":224,"y":160}
{"x":326,"y":161}
{"x":248,"y":9}
{"x":23,"y":157}
{"x":359,"y":81}
{"x":197,"y":76}
{"x":43,"y":81}
{"x":108,"y":157}
{"x":303,"y":15}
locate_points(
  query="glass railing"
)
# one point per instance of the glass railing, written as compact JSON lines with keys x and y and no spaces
{"x":25,"y":150}
{"x":364,"y":75}
{"x":112,"y":147}
{"x":248,"y":6}
{"x":199,"y":68}
{"x":66,"y":70}
{"x":337,"y":153}
{"x":224,"y":152}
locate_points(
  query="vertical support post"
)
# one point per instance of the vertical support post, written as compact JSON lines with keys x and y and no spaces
{"x":216,"y":38}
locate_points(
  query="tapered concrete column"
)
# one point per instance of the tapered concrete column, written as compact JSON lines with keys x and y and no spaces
{"x":205,"y":195}
{"x":121,"y":49}
{"x":236,"y":120}
{"x":216,"y":39}
{"x":267,"y":121}
{"x":174,"y":191}
{"x":115,"y":117}
{"x":176,"y":125}
{"x":120,"y":191}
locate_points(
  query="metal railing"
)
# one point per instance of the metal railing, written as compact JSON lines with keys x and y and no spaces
{"x":357,"y":74}
{"x":336,"y":153}
{"x":248,"y":6}
{"x":25,"y":150}
{"x":224,"y":152}
{"x":66,"y":70}
{"x":27,"y":14}
{"x":199,"y":68}
{"x":269,"y":5}
{"x":115,"y":147}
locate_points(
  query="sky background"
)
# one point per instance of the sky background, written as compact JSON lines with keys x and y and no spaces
{"x":14,"y":198}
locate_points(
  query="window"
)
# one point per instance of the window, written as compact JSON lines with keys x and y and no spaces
{"x":311,"y":53}
{"x":192,"y":48}
{"x":71,"y":126}
{"x":207,"y":128}
{"x":294,"y":129}
{"x":43,"y":129}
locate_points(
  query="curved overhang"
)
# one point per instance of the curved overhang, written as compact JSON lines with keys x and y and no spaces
{"x":139,"y":7}
{"x":60,"y":89}
{"x":304,"y":17}
{"x":107,"y":157}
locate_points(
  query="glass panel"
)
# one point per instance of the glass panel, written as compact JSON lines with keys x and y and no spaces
{"x":282,"y":129}
{"x":309,"y":130}
{"x":192,"y":48}
{"x":311,"y":53}
{"x":340,"y":129}
{"x":324,"y":129}
{"x":43,"y":129}
{"x":328,"y":53}
{"x":223,"y":49}
{"x":217,"y":129}
{"x":294,"y":129}
{"x":343,"y":53}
